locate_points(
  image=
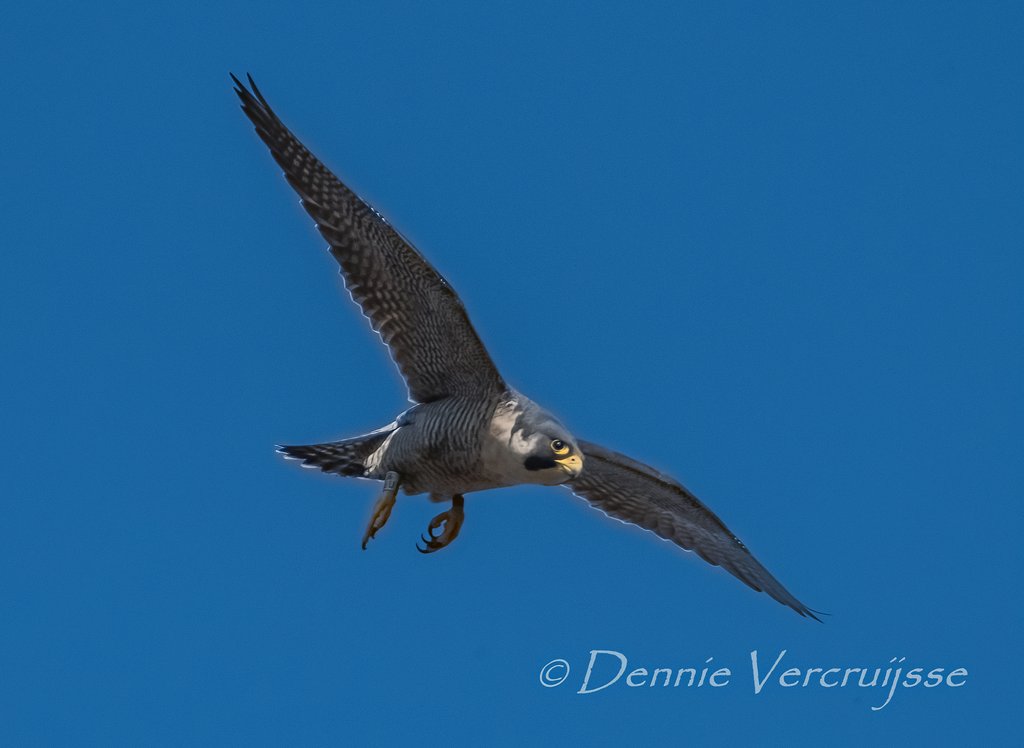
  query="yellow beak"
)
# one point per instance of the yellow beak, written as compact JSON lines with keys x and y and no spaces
{"x":573,"y":465}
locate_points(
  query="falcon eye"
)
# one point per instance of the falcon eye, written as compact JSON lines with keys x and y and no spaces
{"x":559,"y":447}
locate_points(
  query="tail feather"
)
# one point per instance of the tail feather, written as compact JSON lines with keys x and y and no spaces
{"x":346,"y":457}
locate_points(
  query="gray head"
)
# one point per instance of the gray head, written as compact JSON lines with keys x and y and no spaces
{"x":543,"y":448}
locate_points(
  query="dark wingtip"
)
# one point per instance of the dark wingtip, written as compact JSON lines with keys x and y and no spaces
{"x":256,"y":92}
{"x":242,"y":92}
{"x":811,"y":613}
{"x":257,"y":109}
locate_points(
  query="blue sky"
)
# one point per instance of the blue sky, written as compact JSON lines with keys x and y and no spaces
{"x":789,"y":242}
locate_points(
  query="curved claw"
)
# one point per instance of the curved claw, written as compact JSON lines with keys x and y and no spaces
{"x":452,"y":521}
{"x":431,"y":545}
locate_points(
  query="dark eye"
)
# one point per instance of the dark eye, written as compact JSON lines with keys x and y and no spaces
{"x":559,"y":447}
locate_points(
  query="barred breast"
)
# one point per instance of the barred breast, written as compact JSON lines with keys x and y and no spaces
{"x":438,"y":447}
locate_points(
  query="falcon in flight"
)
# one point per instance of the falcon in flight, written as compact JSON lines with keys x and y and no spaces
{"x":468,"y":430}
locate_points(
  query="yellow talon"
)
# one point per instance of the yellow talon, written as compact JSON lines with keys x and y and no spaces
{"x":382,"y":509}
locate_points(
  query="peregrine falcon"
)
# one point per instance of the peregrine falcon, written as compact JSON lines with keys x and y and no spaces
{"x":468,"y":430}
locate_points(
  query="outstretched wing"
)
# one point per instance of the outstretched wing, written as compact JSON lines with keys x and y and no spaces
{"x":636,"y":493}
{"x":418,"y":315}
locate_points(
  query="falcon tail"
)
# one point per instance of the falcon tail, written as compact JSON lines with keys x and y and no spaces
{"x":346,"y":457}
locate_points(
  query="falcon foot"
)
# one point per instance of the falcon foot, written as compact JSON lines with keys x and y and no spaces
{"x":452,"y":521}
{"x":382,"y":509}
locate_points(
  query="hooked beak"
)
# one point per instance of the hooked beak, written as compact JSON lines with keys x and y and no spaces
{"x":573,"y":465}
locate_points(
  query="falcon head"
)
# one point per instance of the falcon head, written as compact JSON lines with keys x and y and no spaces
{"x":541,"y":448}
{"x":558,"y":454}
